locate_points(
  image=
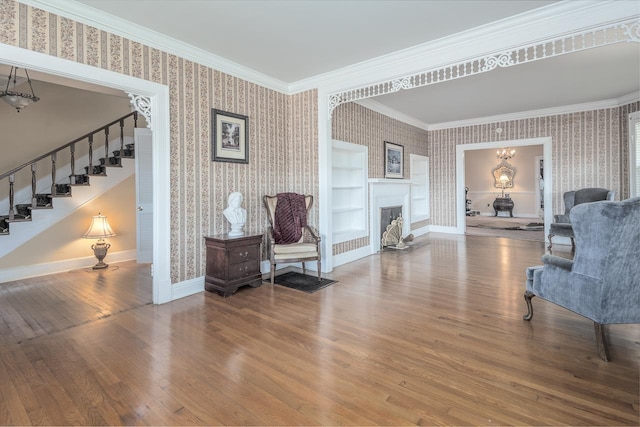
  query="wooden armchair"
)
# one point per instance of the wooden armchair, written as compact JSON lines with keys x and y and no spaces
{"x":306,"y":249}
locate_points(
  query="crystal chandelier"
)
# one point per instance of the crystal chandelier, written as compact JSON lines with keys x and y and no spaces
{"x":506,"y":153}
{"x":18,"y":100}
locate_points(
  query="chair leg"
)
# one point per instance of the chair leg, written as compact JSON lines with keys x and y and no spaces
{"x":603,"y":351}
{"x":319,"y":272}
{"x":273,"y":273}
{"x":304,"y":268}
{"x":550,"y":236}
{"x":527,"y":297}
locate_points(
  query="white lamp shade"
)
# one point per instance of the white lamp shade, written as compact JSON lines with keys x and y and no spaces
{"x":99,"y":228}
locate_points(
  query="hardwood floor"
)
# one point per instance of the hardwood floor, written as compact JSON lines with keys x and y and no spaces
{"x":47,"y":304}
{"x":432,"y":336}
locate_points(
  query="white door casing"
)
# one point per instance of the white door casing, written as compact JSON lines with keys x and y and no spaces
{"x":144,"y":194}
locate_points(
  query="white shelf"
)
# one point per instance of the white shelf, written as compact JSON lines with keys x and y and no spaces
{"x":349,"y":175}
{"x":419,"y":187}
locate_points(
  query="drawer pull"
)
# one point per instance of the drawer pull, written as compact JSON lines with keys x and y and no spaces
{"x":244,"y":254}
{"x":243,"y":269}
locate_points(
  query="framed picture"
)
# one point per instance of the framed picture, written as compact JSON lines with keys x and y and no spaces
{"x":229,"y":137}
{"x":393,"y":160}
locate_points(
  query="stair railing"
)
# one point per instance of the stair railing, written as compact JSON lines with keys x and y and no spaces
{"x":72,"y":149}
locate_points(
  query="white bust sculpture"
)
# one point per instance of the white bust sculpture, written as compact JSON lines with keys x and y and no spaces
{"x":235,"y":214}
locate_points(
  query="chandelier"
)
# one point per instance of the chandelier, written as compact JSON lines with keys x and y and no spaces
{"x":506,"y":153}
{"x":18,"y":100}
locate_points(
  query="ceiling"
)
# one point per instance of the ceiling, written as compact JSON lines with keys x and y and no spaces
{"x":296,"y":40}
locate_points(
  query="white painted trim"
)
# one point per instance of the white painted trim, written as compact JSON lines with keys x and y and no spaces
{"x":187,"y":288}
{"x":374,"y":105}
{"x":498,"y":191}
{"x":420,"y":231}
{"x":632,"y":120}
{"x":460,"y":175}
{"x":325,"y":182}
{"x":96,"y":18}
{"x":547,"y":21}
{"x":444,"y":229}
{"x":351,"y":256}
{"x":544,"y":112}
{"x":63,"y":266}
{"x":159,"y":95}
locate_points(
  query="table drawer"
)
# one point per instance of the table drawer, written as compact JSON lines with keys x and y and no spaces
{"x":243,"y":254}
{"x":237,"y":271}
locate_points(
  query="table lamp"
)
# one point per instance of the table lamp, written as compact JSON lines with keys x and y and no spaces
{"x":99,"y":229}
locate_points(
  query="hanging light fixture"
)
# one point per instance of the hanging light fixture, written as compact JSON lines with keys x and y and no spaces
{"x":506,"y":153}
{"x":18,"y":100}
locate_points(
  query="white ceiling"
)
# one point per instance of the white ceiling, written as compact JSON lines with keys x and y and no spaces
{"x":295,"y":40}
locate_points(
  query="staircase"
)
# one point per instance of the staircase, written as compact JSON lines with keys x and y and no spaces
{"x":34,"y":214}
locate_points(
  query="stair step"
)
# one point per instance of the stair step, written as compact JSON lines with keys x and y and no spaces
{"x":63,"y":190}
{"x":23,"y":209}
{"x":113,"y":161}
{"x":98,"y":170}
{"x":128,"y":154}
{"x":79,"y":179}
{"x":43,"y":200}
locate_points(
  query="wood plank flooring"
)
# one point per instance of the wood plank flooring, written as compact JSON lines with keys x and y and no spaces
{"x":47,"y":304}
{"x":429,"y":336}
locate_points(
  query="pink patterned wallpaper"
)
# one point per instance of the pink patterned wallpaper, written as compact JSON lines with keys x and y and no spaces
{"x":283,"y":139}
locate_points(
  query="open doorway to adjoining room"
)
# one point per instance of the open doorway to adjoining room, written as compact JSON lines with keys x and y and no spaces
{"x":510,"y":209}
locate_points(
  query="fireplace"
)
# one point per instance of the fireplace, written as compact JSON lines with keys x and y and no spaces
{"x":387,"y":193}
{"x":388,"y":214}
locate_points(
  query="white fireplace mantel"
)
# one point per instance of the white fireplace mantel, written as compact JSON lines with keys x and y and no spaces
{"x":384,"y":193}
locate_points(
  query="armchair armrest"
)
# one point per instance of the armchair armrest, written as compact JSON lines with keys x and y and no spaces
{"x":312,"y":233}
{"x":556,"y":261}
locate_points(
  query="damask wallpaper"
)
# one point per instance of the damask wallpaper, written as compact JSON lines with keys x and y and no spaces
{"x":283,"y":140}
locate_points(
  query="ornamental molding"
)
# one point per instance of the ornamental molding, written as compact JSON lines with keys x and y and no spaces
{"x":142,"y":104}
{"x":605,"y":35}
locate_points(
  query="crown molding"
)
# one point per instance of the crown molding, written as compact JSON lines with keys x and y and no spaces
{"x":554,"y":111}
{"x":390,"y":112}
{"x":543,"y":112}
{"x":90,"y":16}
{"x":515,"y":31}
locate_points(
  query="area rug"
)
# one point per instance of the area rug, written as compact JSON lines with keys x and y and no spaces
{"x":302,"y":282}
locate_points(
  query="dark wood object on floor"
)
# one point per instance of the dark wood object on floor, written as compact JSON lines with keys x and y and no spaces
{"x":232,"y":262}
{"x":503,"y":204}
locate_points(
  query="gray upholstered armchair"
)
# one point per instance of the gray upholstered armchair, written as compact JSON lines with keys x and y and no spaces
{"x":562,"y":223}
{"x":602,"y":282}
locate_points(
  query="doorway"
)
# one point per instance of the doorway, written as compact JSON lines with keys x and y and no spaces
{"x":461,"y":154}
{"x":157,"y":98}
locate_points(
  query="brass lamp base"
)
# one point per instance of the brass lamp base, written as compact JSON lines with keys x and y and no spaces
{"x":100,"y":251}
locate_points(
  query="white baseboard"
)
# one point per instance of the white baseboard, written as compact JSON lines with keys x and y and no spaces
{"x":420,"y":231}
{"x":27,"y":271}
{"x":443,"y":229}
{"x":187,"y":287}
{"x":350,"y":256}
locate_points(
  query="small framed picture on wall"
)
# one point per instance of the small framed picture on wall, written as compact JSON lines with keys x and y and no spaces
{"x":229,"y":137}
{"x":393,"y":160}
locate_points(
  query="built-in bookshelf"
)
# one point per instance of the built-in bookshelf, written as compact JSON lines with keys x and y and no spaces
{"x":419,"y":187}
{"x":349,"y":174}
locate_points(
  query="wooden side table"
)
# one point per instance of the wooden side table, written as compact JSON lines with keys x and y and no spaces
{"x":503,"y":204}
{"x":232,"y":262}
